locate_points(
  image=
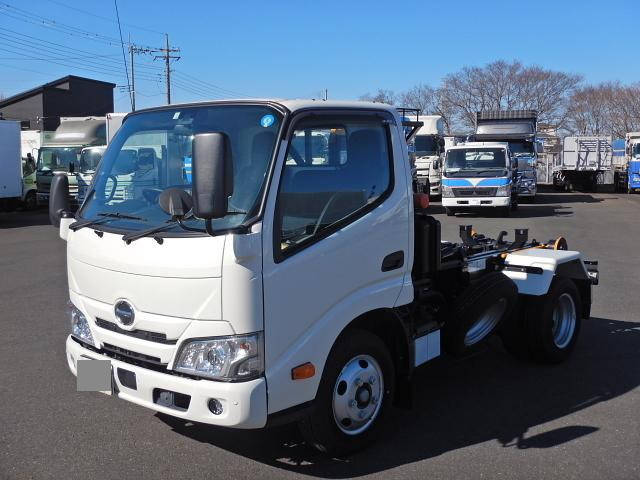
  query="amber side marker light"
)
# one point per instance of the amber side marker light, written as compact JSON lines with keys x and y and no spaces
{"x":306,"y":370}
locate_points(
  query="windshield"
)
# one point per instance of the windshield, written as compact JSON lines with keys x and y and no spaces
{"x":57,"y":158}
{"x":521,"y":149}
{"x":152,"y":152}
{"x":89,"y":159}
{"x":426,"y":145}
{"x":635,"y":152}
{"x":478,"y":162}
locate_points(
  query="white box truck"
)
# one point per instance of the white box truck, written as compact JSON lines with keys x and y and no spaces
{"x":10,"y":165}
{"x":277,"y":282}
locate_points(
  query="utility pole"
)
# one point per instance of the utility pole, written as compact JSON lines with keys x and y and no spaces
{"x":166,"y":55}
{"x":134,"y":50}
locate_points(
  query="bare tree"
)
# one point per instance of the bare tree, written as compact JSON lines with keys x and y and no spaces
{"x":429,"y":100}
{"x":501,"y":85}
{"x":381,"y":96}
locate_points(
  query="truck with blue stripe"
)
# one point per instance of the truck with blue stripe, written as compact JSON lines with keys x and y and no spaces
{"x":478,"y":176}
{"x":627,"y":172}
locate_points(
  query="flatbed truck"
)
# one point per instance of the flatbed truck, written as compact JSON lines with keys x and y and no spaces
{"x":272,"y":286}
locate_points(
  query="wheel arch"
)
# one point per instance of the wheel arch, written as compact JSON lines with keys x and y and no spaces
{"x":388,"y":325}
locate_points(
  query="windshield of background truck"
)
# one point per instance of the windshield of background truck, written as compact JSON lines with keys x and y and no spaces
{"x":90,"y":158}
{"x":477,"y":162}
{"x":152,"y":152}
{"x":635,"y":151}
{"x":57,"y":158}
{"x":426,"y":145}
{"x":522,"y":149}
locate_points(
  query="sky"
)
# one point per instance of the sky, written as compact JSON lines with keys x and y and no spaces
{"x":296,"y":49}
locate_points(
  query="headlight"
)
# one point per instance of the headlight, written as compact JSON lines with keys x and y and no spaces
{"x":238,"y":357}
{"x":79,"y":325}
{"x":504,"y":191}
{"x":447,"y":191}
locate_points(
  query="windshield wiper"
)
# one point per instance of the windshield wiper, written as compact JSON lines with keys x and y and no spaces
{"x":133,"y":236}
{"x":107,"y":216}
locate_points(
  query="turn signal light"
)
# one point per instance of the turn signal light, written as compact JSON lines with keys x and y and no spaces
{"x":306,"y":370}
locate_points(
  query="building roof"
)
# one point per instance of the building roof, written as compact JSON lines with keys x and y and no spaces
{"x":55,"y":83}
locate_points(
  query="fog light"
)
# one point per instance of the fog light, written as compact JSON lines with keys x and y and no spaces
{"x":215,"y":406}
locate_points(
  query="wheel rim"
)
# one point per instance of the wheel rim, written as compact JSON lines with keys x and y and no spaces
{"x":357,"y":395}
{"x":485,"y":324}
{"x":564,"y":320}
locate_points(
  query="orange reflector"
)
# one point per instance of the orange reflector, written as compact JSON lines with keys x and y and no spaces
{"x":421,"y":200}
{"x":306,"y":370}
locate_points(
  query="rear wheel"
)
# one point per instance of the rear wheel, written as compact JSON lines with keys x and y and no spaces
{"x":478,"y":311}
{"x":449,"y":212}
{"x":30,"y":201}
{"x":548,"y":328}
{"x":354,"y":395}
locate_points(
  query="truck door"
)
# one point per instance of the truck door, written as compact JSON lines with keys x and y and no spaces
{"x":335,"y":241}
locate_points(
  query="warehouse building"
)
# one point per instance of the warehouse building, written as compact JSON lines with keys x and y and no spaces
{"x":41,"y":108}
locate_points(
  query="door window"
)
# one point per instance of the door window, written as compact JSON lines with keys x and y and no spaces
{"x":332,"y":175}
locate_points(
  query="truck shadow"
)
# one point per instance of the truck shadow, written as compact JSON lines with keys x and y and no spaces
{"x":463,"y":402}
{"x":18,"y":219}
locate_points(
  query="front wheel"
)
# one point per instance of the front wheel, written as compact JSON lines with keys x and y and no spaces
{"x":449,"y":212}
{"x":354,"y":395}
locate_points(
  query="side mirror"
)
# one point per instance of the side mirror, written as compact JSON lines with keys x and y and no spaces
{"x":539,"y":147}
{"x":435,"y":164}
{"x":212,"y":175}
{"x":72,"y":167}
{"x":59,"y":200}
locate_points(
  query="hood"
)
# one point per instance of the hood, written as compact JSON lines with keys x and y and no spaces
{"x":180,"y":278}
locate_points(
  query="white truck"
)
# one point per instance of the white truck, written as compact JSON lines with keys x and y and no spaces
{"x":10,"y":165}
{"x":479,"y":176}
{"x":270,"y":287}
{"x":429,"y":151}
{"x":586,"y":162}
{"x":60,"y":153}
{"x":519,"y":129}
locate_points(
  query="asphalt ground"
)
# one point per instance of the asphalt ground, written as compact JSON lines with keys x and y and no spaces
{"x":488,"y":416}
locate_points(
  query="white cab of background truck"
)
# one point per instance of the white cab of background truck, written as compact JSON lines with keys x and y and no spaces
{"x":239,"y":275}
{"x":478,"y":175}
{"x":429,"y":150}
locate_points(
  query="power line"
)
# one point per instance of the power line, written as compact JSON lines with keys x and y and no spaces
{"x":104,"y":18}
{"x":211,"y":85}
{"x":124,"y":58}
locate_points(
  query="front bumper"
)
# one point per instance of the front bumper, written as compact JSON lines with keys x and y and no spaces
{"x":527,"y":191}
{"x":475,"y":202}
{"x":244,"y":403}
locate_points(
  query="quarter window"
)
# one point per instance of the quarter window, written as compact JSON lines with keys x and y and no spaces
{"x":332,"y":174}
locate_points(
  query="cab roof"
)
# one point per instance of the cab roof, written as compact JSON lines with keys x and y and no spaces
{"x":479,"y":144}
{"x":292,"y":105}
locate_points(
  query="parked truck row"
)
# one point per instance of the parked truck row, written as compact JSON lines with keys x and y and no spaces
{"x":246,"y":278}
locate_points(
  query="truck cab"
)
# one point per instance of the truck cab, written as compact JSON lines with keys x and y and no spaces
{"x":292,"y":275}
{"x":428,"y":148}
{"x":61,"y":150}
{"x":632,"y":150}
{"x":518,"y":128}
{"x":479,"y":175}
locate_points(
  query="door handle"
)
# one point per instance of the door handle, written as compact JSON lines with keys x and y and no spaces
{"x":393,"y":261}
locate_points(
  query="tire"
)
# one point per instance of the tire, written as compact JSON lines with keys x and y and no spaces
{"x":356,"y":354}
{"x":478,"y":311}
{"x":532,"y":334}
{"x":30,"y":201}
{"x":505,"y":212}
{"x":449,"y":212}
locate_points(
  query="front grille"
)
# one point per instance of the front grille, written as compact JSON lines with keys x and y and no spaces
{"x":132,"y":355}
{"x":142,"y":334}
{"x":475,"y":192}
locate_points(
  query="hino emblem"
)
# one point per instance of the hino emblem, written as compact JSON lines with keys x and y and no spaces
{"x":124,"y":312}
